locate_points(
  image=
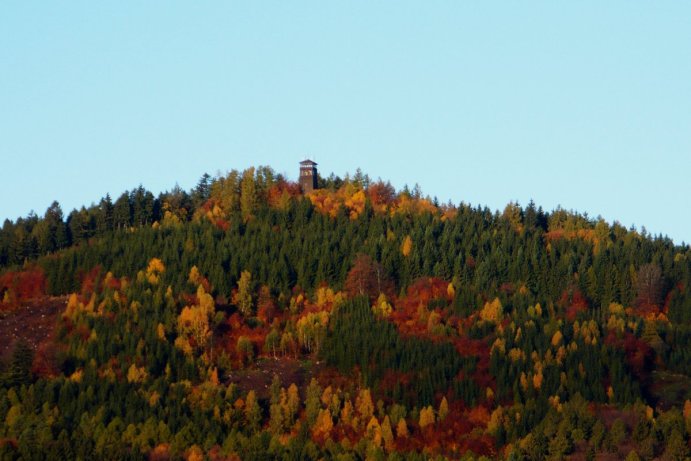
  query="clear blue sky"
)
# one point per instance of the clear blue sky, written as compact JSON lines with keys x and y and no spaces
{"x":582,"y":104}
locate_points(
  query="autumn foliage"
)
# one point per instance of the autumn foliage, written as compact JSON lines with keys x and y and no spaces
{"x":18,"y":287}
{"x":368,"y":278}
{"x":246,"y":319}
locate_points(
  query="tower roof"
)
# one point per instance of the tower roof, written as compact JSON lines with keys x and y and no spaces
{"x":308,"y":163}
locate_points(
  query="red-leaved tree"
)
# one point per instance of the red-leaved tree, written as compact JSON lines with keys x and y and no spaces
{"x":368,"y":278}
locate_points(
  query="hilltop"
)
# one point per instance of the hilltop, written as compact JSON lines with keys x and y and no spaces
{"x":253,"y":316}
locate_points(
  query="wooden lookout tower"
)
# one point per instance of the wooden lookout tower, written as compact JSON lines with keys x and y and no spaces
{"x":308,"y":176}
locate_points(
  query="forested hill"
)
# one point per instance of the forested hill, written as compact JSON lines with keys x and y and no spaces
{"x":244,"y":319}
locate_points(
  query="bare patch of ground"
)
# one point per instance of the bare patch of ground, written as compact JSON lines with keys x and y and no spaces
{"x":670,"y":389}
{"x":33,"y":321}
{"x":259,"y":377}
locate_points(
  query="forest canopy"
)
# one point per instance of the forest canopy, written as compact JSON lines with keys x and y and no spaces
{"x":244,"y":319}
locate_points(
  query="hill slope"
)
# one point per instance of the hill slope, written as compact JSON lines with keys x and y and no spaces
{"x":243,"y":319}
